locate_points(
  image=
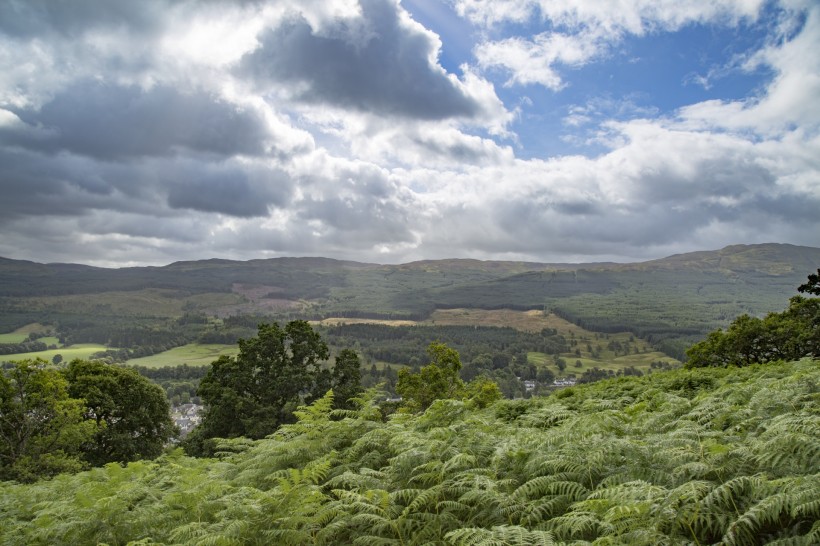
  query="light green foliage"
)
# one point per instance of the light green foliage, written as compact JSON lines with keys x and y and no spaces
{"x":439,"y":379}
{"x":481,"y":392}
{"x":41,"y":427}
{"x":701,"y":456}
{"x":132,"y":412}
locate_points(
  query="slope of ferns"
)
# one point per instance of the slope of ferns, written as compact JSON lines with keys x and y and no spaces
{"x":711,"y":456}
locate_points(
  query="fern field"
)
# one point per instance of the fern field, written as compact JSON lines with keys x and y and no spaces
{"x":710,"y":456}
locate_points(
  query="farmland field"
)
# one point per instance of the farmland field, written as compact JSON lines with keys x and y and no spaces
{"x":80,"y":350}
{"x":193,"y":354}
{"x":21,"y":334}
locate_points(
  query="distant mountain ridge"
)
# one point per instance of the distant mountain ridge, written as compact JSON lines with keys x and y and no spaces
{"x":22,"y":277}
{"x":762,"y":253}
{"x":670,"y":302}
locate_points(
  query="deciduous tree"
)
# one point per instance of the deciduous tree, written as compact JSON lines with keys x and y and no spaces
{"x":255,"y":392}
{"x":788,"y":335}
{"x":42,"y":429}
{"x":346,"y":379}
{"x":439,"y":379}
{"x":132,"y":412}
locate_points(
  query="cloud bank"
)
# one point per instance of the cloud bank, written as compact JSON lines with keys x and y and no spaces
{"x":145,"y":133}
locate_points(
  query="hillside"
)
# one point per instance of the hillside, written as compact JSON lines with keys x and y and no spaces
{"x":683,"y":457}
{"x":669,"y":302}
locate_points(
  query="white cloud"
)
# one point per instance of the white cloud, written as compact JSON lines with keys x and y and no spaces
{"x":633,"y":16}
{"x":182,"y":130}
{"x":789,"y":101}
{"x":583,"y":31}
{"x":532,"y":61}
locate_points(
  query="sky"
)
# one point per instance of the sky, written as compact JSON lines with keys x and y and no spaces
{"x":143,"y":133}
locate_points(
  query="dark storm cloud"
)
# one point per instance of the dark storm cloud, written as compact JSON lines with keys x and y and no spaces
{"x":67,"y":185}
{"x":383,"y":68}
{"x":114,"y":122}
{"x":231,"y":190}
{"x":38,"y":185}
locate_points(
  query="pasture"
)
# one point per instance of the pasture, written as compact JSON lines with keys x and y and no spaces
{"x":193,"y":354}
{"x":69,"y":353}
{"x":21,"y":334}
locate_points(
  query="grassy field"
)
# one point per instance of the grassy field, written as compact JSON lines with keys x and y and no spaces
{"x":193,"y":354}
{"x":21,"y":334}
{"x":13,"y":338}
{"x":526,"y":321}
{"x":80,"y":350}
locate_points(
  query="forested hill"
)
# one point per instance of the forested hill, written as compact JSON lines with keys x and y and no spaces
{"x":292,"y":276}
{"x":674,"y":300}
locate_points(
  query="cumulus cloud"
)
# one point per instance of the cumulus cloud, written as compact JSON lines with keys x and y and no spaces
{"x":633,"y":16}
{"x":381,"y":63}
{"x":532,"y":60}
{"x":789,"y":101}
{"x":147,"y":134}
{"x":580,"y":32}
{"x":110,"y":122}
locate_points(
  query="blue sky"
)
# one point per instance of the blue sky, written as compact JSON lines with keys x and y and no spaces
{"x":137,"y":133}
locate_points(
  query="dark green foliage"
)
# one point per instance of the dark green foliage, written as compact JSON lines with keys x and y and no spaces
{"x":255,"y":392}
{"x":346,"y":379}
{"x":132,"y":413}
{"x":789,"y":335}
{"x":401,"y":344}
{"x":812,"y":286}
{"x":28,"y":346}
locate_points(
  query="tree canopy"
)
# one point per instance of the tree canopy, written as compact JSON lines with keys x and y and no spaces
{"x":440,"y":380}
{"x":87,"y":414}
{"x":132,"y":412}
{"x":812,"y":286}
{"x":42,"y":429}
{"x":255,"y":392}
{"x":789,"y":335}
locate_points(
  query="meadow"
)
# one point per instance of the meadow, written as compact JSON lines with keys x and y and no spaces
{"x":192,"y":354}
{"x":69,"y":352}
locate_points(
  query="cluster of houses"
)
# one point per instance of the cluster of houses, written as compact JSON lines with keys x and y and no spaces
{"x":530,"y":384}
{"x":186,"y":417}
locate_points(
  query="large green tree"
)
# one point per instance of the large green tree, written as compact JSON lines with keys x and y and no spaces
{"x":346,"y":379}
{"x":439,"y":379}
{"x":789,"y":335}
{"x":132,"y":412}
{"x":42,"y":430}
{"x":255,"y":392}
{"x":812,"y":286}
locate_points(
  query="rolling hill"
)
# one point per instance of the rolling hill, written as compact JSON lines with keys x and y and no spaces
{"x":669,"y":302}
